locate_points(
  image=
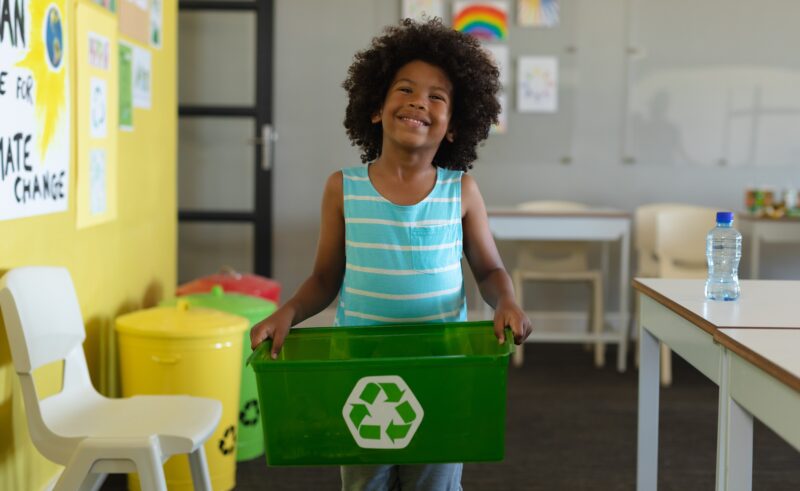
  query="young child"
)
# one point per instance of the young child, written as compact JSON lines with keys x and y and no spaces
{"x":392,"y":233}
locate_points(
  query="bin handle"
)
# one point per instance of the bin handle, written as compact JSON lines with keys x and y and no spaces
{"x":166,"y":360}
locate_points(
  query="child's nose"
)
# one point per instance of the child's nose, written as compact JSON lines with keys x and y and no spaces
{"x":417,"y":104}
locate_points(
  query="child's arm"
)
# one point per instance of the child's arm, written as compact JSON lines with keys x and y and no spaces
{"x":319,"y":289}
{"x":484,"y":260}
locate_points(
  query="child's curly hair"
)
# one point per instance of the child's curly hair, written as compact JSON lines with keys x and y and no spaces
{"x":474,"y":76}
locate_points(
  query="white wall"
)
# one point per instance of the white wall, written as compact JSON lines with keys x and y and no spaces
{"x":314,"y":44}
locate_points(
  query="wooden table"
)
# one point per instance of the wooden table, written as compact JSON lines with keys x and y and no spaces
{"x":604,"y":226}
{"x":760,"y":230}
{"x":749,"y":348}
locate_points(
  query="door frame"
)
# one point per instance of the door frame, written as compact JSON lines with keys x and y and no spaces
{"x":263,"y":134}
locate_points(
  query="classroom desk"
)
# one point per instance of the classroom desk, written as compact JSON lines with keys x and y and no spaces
{"x":704,"y":333}
{"x":603,"y":226}
{"x":763,"y":382}
{"x":760,"y":230}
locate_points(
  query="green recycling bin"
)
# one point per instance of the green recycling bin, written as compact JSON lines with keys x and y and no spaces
{"x":249,"y":442}
{"x":392,"y":394}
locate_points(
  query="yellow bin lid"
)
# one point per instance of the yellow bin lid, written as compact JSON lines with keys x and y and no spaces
{"x":181,"y":321}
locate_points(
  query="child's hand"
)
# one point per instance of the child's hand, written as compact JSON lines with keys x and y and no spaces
{"x":509,"y":314}
{"x":274,"y":327}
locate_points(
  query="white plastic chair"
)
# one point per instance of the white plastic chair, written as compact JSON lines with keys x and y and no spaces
{"x":79,"y":428}
{"x":566,"y":261}
{"x":644,"y":236}
{"x":681,"y":250}
{"x":647,"y":266}
{"x":670,"y":242}
{"x":681,"y":241}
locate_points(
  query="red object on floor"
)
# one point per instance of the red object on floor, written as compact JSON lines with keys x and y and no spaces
{"x":234,"y":282}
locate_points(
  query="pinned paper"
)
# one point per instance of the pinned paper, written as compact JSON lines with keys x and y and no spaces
{"x":35,"y":108}
{"x":97,"y":79}
{"x":487,"y":20}
{"x":537,"y":84}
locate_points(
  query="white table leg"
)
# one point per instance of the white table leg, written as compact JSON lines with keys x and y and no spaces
{"x":722,"y":421}
{"x":624,"y":285}
{"x":739,"y":448}
{"x":647,"y":444}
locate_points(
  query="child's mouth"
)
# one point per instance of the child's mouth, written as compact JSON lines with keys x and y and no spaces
{"x":413,"y":122}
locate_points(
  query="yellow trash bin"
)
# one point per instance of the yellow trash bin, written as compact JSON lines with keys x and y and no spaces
{"x":192,"y":351}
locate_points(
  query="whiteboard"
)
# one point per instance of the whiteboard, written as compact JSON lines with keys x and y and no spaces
{"x":713,"y":82}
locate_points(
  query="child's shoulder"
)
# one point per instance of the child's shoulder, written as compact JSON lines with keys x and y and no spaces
{"x":333,"y":184}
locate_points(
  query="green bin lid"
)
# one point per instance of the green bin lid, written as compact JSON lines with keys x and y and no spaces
{"x":254,"y":308}
{"x":181,"y":321}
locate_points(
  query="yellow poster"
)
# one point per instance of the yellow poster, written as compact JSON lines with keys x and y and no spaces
{"x":34,"y":108}
{"x":96,"y":59}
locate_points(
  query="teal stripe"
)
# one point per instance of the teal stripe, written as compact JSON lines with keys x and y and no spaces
{"x":417,"y":308}
{"x":403,"y":285}
{"x":385,"y":210}
{"x":359,"y":287}
{"x":402,"y":236}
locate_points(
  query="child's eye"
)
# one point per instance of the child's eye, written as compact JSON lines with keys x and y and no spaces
{"x":437,"y":97}
{"x":406,"y":90}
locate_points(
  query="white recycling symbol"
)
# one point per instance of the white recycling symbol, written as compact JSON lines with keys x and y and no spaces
{"x":382,"y":412}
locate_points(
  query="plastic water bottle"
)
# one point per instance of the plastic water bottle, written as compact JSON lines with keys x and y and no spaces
{"x":723,"y":251}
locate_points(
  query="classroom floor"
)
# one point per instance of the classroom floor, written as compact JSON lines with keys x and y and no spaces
{"x":573,"y":427}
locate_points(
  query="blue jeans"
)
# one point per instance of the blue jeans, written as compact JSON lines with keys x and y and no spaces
{"x":423,"y":477}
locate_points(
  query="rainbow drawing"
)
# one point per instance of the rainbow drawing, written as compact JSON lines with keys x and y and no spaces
{"x":487,"y":21}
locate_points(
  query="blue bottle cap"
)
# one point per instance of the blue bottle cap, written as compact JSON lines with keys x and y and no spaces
{"x":724,"y":217}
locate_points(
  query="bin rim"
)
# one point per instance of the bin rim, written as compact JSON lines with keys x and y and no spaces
{"x":139,"y":323}
{"x":504,"y":350}
{"x":229,"y":302}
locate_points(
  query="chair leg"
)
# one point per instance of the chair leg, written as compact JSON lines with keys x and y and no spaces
{"x":95,"y":481}
{"x":666,"y":366}
{"x":150,"y":470}
{"x":199,"y":468}
{"x":76,"y":473}
{"x":622,"y":355}
{"x":597,"y":323}
{"x":144,"y":454}
{"x":518,"y":358}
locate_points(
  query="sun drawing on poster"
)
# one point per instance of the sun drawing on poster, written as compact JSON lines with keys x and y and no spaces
{"x":46,"y":62}
{"x":538,"y":84}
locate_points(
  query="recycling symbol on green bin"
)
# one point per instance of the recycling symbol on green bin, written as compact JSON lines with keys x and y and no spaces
{"x":248,"y":415}
{"x":382,"y":412}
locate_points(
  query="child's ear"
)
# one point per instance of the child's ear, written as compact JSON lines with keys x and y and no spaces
{"x":376,"y":118}
{"x":450,"y":136}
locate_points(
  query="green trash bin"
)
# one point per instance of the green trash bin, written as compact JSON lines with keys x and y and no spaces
{"x":396,"y":394}
{"x":249,"y":442}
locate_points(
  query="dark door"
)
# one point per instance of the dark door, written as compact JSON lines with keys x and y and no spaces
{"x":226,"y":139}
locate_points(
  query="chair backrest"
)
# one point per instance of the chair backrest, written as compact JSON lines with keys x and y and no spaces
{"x":556,"y":256}
{"x":681,"y":241}
{"x":644,"y":235}
{"x":552,"y":205}
{"x":42,"y":316}
{"x":44,"y":324}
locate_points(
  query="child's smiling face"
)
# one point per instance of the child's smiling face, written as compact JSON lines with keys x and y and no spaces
{"x":417,"y":108}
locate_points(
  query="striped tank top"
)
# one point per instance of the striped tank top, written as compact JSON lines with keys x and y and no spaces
{"x":403,"y":263}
